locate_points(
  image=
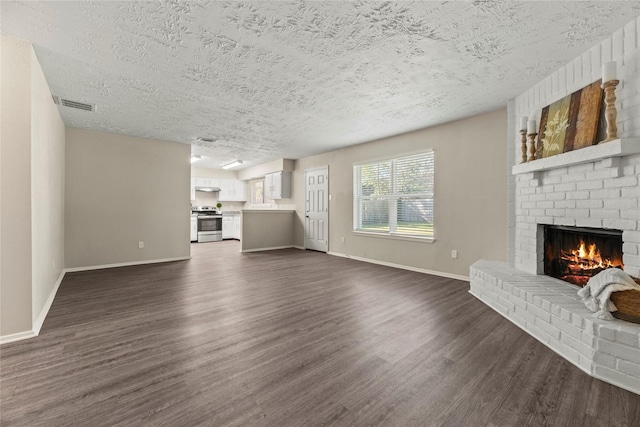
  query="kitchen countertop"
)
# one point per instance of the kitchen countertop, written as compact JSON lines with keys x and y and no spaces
{"x":231,"y":213}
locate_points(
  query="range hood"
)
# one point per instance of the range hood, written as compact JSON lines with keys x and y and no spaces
{"x":208,"y":189}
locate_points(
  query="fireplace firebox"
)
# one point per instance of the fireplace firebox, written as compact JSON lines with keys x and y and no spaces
{"x":574,"y":254}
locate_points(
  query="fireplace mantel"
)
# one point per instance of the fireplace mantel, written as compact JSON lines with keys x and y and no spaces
{"x":616,"y":148}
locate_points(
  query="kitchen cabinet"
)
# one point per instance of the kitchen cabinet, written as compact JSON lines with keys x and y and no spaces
{"x":237,"y":226}
{"x":231,"y":226}
{"x":277,"y":185}
{"x":207,"y":182}
{"x":194,"y":228}
{"x":227,"y":226}
{"x":232,"y":190}
{"x":193,"y":190}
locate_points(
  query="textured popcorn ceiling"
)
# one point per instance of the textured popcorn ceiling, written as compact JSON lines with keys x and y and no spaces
{"x":289,"y":79}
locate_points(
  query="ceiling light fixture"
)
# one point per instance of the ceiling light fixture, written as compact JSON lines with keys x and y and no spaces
{"x":232,"y":164}
{"x":195,"y":158}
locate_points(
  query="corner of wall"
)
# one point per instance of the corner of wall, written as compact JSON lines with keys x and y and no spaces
{"x":47,"y":192}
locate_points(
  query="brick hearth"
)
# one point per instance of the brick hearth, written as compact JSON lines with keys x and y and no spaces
{"x":551,"y":311}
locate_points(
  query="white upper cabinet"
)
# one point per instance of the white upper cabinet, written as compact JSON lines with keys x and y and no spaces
{"x":232,"y":190}
{"x":277,"y":185}
{"x":208,"y":182}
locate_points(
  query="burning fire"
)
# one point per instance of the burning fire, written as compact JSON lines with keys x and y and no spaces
{"x":586,"y":258}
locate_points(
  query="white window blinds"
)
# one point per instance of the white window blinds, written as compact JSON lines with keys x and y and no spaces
{"x":395,"y":196}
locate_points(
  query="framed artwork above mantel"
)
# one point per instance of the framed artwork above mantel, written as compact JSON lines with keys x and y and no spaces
{"x":572,"y":122}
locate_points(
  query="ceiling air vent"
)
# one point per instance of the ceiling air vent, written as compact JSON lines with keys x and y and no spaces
{"x":203,"y":139}
{"x":74,"y":104}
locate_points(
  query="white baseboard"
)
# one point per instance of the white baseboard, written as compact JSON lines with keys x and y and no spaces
{"x":37,"y":325}
{"x":273,"y":248}
{"x":125,"y":264}
{"x":404,"y":267}
{"x":299,"y":247}
{"x":17,"y":337}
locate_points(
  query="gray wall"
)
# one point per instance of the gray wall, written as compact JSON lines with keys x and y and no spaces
{"x":15,"y":226}
{"x":47,"y":191}
{"x":121,"y":190}
{"x":470,"y":195}
{"x":32,"y":191}
{"x":263,"y":229}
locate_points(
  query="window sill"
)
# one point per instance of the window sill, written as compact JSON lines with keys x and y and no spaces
{"x":395,"y":236}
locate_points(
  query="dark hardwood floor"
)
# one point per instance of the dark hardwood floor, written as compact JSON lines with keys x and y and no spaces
{"x":288,"y":338}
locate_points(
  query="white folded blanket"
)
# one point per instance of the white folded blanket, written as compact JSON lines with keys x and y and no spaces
{"x":597,"y":292}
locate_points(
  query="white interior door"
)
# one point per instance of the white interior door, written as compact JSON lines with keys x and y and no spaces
{"x":316,"y":224}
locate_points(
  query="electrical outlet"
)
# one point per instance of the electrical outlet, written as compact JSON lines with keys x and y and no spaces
{"x":454,"y":254}
{"x":140,"y":245}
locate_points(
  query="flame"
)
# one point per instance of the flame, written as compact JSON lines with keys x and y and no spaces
{"x":587,"y":257}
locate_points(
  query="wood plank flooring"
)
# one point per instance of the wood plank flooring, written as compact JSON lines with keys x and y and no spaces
{"x":288,"y":338}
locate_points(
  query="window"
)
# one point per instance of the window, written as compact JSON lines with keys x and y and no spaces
{"x":395,"y":197}
{"x":257,"y":196}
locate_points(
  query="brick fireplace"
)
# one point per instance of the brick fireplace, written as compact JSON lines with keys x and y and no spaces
{"x":597,"y":187}
{"x":602,"y":193}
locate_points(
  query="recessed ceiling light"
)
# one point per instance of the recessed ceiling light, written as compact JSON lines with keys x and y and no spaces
{"x":195,"y":158}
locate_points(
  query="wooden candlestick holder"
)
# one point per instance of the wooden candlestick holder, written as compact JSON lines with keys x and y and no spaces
{"x":610,"y":112}
{"x":523,"y":133}
{"x":532,"y":146}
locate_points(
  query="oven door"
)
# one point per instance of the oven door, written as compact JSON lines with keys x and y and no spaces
{"x":209,"y":228}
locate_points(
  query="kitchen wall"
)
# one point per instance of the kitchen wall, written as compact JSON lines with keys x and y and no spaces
{"x":213,"y":173}
{"x":121,"y":190}
{"x":32,"y":192}
{"x":266,"y":229}
{"x":210,"y":199}
{"x":470,"y":196}
{"x":259,"y":171}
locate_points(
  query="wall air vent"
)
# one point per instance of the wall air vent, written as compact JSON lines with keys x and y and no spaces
{"x":77,"y":105}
